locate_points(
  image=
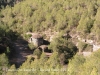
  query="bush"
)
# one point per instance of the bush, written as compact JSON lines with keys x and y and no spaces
{"x":37,"y":52}
{"x":31,"y":46}
{"x":82,"y":46}
{"x":27,"y":36}
{"x":85,"y":47}
{"x":1,"y":16}
{"x":75,"y":64}
{"x":64,"y":47}
{"x":3,"y":63}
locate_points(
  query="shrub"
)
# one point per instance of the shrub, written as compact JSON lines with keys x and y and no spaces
{"x":27,"y":36}
{"x":37,"y":52}
{"x":31,"y":46}
{"x":84,"y":47}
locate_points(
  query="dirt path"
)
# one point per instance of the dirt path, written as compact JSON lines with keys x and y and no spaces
{"x":20,"y":52}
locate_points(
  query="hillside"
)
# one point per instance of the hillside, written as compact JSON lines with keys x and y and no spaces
{"x":71,"y":27}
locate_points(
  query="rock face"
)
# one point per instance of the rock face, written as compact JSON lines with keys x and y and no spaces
{"x":95,"y":45}
{"x":36,"y":39}
{"x":86,"y":53}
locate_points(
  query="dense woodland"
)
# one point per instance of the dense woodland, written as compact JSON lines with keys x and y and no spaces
{"x":78,"y":17}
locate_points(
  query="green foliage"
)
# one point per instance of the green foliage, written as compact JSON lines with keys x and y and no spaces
{"x":43,"y":59}
{"x":8,"y":51}
{"x":94,"y":71}
{"x":59,"y":15}
{"x":53,"y":60}
{"x":85,"y":24}
{"x":3,"y":63}
{"x":62,"y":45}
{"x":31,"y":46}
{"x":84,"y":47}
{"x":11,"y":71}
{"x":3,"y":60}
{"x":85,"y":66}
{"x":27,"y":36}
{"x":1,"y":16}
{"x":37,"y":52}
{"x":81,"y":46}
{"x":96,"y":27}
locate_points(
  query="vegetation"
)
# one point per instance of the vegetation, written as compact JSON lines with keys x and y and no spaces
{"x":73,"y":14}
{"x":31,"y":46}
{"x":37,"y":52}
{"x":17,"y":17}
{"x":79,"y":65}
{"x":4,"y":64}
{"x":30,"y":16}
{"x":85,"y":66}
{"x":64,"y":47}
{"x":82,"y":46}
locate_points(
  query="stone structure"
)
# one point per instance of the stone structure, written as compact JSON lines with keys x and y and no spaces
{"x":36,"y":39}
{"x":44,"y":48}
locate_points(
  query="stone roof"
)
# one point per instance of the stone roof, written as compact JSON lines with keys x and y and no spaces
{"x":36,"y":35}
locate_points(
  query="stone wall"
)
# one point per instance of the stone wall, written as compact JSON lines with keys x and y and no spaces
{"x":95,"y":45}
{"x":37,"y":41}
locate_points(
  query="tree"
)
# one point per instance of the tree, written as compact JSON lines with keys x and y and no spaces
{"x":63,"y":45}
{"x":12,"y":70}
{"x":43,"y":59}
{"x":3,"y":63}
{"x":94,"y":71}
{"x":38,"y":53}
{"x":75,"y":64}
{"x":85,"y":24}
{"x":53,"y":60}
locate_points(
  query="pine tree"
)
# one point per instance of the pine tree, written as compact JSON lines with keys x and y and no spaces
{"x":94,"y":71}
{"x":12,"y":70}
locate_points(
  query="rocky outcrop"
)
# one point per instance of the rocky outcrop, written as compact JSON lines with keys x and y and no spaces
{"x":76,"y":38}
{"x":86,"y":53}
{"x":96,"y":47}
